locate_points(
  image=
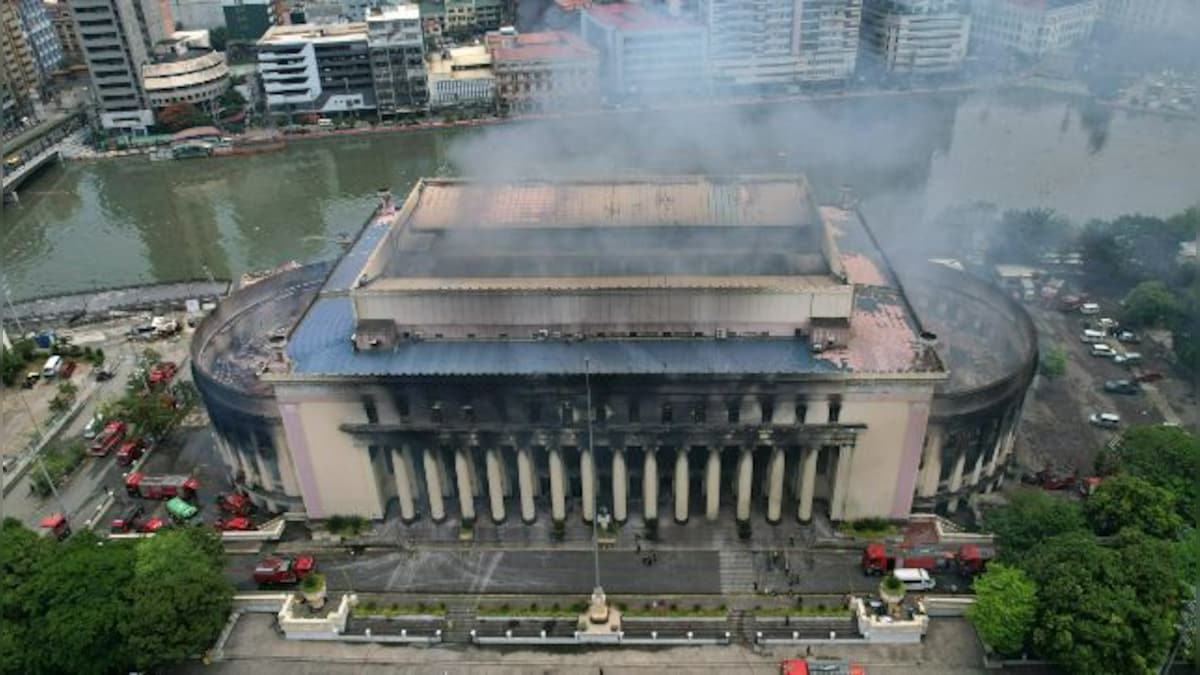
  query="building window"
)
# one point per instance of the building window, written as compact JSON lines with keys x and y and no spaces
{"x":566,"y":413}
{"x":699,"y":414}
{"x":435,"y":412}
{"x":801,"y":412}
{"x":535,"y":412}
{"x":835,"y":410}
{"x":402,"y":406}
{"x":734,"y":412}
{"x":668,"y":415}
{"x":635,"y":410}
{"x":371,"y":411}
{"x":468,"y":412}
{"x":768,"y":410}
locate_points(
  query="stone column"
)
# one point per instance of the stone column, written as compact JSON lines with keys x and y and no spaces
{"x":495,"y":479}
{"x":808,"y":482}
{"x":466,"y":495}
{"x":620,"y":486}
{"x":404,"y":492}
{"x":650,"y":486}
{"x":558,"y":478}
{"x":712,"y":485}
{"x":525,"y":483}
{"x":931,"y":468}
{"x":587,"y":483}
{"x":956,"y":478}
{"x":433,"y":485}
{"x":977,"y":472}
{"x":681,"y":484}
{"x":745,"y":483}
{"x":841,"y":485}
{"x":775,"y":472}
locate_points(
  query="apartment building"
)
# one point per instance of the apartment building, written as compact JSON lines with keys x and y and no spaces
{"x":543,"y":71}
{"x":913,"y":37}
{"x":316,"y":68}
{"x":39,"y":32}
{"x":461,"y":76}
{"x":118,"y":38}
{"x":462,"y":17}
{"x":397,"y":51}
{"x":247,"y":20}
{"x":647,"y":52}
{"x":780,"y":43}
{"x":18,"y":66}
{"x":1032,"y":28}
{"x":64,"y":28}
{"x":1155,"y":16}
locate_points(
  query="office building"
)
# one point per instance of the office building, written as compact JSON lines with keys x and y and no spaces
{"x":19,"y":64}
{"x":186,"y":75}
{"x":913,"y":37}
{"x":461,"y":76}
{"x":118,"y":38}
{"x":780,"y":44}
{"x":700,"y":349}
{"x":647,"y":52}
{"x":316,"y":68}
{"x":64,"y":28}
{"x":1031,"y":28}
{"x":397,"y":50}
{"x":40,"y":34}
{"x":1181,"y":17}
{"x":247,"y":20}
{"x":538,"y":72}
{"x":462,"y":18}
{"x":198,"y":14}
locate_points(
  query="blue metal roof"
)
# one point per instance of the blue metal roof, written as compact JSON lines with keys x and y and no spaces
{"x":352,"y":262}
{"x":321,"y":345}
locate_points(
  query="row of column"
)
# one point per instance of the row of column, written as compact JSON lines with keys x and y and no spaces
{"x":804,"y":488}
{"x":929,"y":481}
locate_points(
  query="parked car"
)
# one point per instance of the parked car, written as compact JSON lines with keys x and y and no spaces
{"x":278,"y":570}
{"x":1105,"y":420}
{"x":31,"y":378}
{"x":152,"y":524}
{"x":127,"y":520}
{"x":233,"y":524}
{"x":1129,"y":337}
{"x":1122,"y":387}
{"x":130,"y":451}
{"x":1103,"y":351}
{"x":68,"y":369}
{"x":1089,"y":308}
{"x":94,"y":426}
{"x":104,"y":373}
{"x":1128,"y":358}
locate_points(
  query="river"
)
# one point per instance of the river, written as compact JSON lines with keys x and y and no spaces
{"x":84,"y":225}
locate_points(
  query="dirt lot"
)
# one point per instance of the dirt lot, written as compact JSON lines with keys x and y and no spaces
{"x":1054,"y":428}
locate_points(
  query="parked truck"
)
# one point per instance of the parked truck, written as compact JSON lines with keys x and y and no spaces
{"x":138,"y":484}
{"x":283,"y":570}
{"x":108,"y":439}
{"x":928,"y":543}
{"x":235,"y":503}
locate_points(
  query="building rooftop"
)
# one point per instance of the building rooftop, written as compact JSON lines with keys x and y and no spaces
{"x":631,"y":17}
{"x":538,"y":46}
{"x":314,"y":33}
{"x":394,"y":13}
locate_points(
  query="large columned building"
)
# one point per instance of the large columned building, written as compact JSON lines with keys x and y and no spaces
{"x":739,"y":352}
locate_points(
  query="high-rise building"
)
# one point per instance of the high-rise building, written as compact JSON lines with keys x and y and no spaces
{"x":1032,"y":28}
{"x":543,"y":71}
{"x":1156,"y":16}
{"x":18,"y":66}
{"x":397,"y":50}
{"x":198,"y":14}
{"x":39,"y":31}
{"x":64,"y":28}
{"x":247,"y":20}
{"x":316,"y":68}
{"x":647,"y":52}
{"x":781,"y":43}
{"x":913,"y":37}
{"x":118,"y":38}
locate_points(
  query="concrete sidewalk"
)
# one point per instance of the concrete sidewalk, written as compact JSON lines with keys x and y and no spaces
{"x":255,"y":647}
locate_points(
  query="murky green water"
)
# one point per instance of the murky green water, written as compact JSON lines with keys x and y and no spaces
{"x":85,"y":225}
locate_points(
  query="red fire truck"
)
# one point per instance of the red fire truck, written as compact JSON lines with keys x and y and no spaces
{"x":926,"y":545}
{"x":277,"y":570}
{"x":107,"y":440}
{"x":814,"y":666}
{"x":138,"y":484}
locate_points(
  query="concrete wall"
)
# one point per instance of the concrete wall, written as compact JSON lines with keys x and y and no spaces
{"x":336,"y":476}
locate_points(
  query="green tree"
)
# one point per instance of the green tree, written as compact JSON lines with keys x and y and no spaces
{"x":79,"y":598}
{"x":1005,"y":605}
{"x":1129,"y":501}
{"x":21,"y":553}
{"x":1054,"y":362}
{"x":1150,"y":303}
{"x":180,"y":116}
{"x":217,"y":37}
{"x":1167,"y":457}
{"x":1024,"y":234}
{"x":1090,"y":618}
{"x":1029,"y":518}
{"x":181,"y":599}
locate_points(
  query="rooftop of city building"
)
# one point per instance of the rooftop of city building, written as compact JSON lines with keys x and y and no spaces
{"x":637,"y":17}
{"x":545,"y":45}
{"x":334,"y":32}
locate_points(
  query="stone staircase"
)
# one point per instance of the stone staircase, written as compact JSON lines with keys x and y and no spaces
{"x":460,"y":619}
{"x":738,"y":573}
{"x":741,"y":626}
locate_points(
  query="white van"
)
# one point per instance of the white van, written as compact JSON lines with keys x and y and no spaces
{"x":1089,"y":308}
{"x":325,"y":123}
{"x":914,"y":579}
{"x":1090,"y":335}
{"x":53,"y":365}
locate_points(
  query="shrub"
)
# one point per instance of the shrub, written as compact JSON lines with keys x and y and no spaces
{"x":312,"y":583}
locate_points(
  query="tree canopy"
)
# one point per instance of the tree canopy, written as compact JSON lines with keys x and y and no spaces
{"x":1129,"y":501}
{"x":1004,"y":609}
{"x":1166,"y":457}
{"x":92,"y":606}
{"x":1031,"y":517}
{"x":1150,"y":303}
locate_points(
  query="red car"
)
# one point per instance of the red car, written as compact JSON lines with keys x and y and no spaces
{"x":234,"y":524}
{"x":152,"y":525}
{"x":68,"y":369}
{"x":130,"y":451}
{"x":108,"y":439}
{"x":127,"y":520}
{"x":162,"y":372}
{"x":284,"y":569}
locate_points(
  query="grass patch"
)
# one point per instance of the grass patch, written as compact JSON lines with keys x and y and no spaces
{"x":675,"y":610}
{"x":532,"y":609}
{"x":868,"y":528}
{"x":376,"y":609}
{"x":813,"y":610}
{"x":347,"y":526}
{"x":60,"y":462}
